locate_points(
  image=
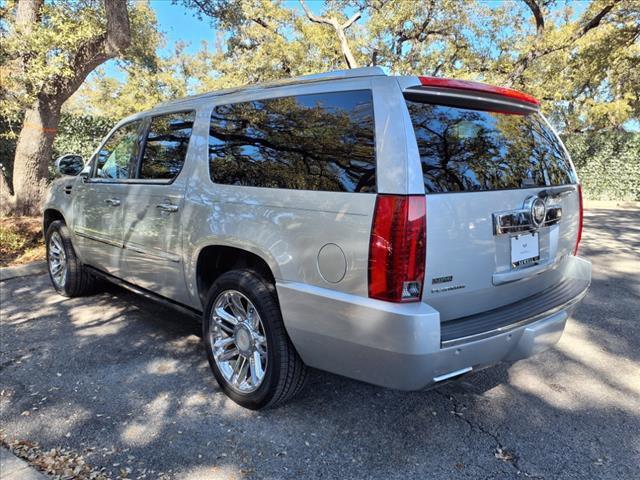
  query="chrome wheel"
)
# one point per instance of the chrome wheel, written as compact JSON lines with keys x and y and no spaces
{"x":238,"y":341}
{"x":57,"y":260}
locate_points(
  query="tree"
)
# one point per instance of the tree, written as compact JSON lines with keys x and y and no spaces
{"x":263,"y":40}
{"x":49,"y":51}
{"x":584,"y":65}
{"x":340,"y":29}
{"x":430,"y":37}
{"x":581,"y":59}
{"x":142,"y":87}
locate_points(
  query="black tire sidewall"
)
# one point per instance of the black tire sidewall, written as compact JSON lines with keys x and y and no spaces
{"x":262,"y":295}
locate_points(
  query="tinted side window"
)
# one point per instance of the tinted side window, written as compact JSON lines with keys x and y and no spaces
{"x":470,"y":150}
{"x":115,"y":158}
{"x":166,"y":146}
{"x":308,"y":142}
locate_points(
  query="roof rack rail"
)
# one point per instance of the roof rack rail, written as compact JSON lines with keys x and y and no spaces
{"x":315,"y":77}
{"x":348,"y":73}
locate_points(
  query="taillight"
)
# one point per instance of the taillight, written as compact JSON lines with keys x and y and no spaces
{"x":579,"y":237}
{"x":397,"y":248}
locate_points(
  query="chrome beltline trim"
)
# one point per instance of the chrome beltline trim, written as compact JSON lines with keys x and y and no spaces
{"x":98,"y":239}
{"x":135,"y":247}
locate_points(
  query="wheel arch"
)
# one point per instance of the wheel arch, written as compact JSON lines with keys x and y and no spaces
{"x":49,"y":216}
{"x":214,"y":259}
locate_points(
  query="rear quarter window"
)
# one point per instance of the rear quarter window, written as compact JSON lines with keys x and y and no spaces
{"x":474,"y":150}
{"x":306,"y":142}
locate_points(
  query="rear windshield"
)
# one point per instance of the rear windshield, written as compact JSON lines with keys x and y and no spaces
{"x":471,"y":150}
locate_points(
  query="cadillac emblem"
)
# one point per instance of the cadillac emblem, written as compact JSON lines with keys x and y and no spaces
{"x":537,"y":211}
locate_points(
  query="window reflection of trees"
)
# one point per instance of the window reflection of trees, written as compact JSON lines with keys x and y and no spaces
{"x":309,"y":142}
{"x":166,"y":146}
{"x":467,"y":150}
{"x":116,"y":155}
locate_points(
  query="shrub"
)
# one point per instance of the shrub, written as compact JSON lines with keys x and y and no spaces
{"x":608,"y":164}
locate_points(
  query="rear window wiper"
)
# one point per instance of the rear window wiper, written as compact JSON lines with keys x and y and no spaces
{"x":556,"y":191}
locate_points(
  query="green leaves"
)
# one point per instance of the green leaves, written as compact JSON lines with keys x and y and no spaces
{"x":608,"y":164}
{"x":80,"y":134}
{"x":38,"y":57}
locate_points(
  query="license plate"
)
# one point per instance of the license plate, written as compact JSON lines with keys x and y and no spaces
{"x":525,"y":249}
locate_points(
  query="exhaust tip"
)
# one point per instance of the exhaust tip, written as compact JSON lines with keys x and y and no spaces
{"x":451,"y":375}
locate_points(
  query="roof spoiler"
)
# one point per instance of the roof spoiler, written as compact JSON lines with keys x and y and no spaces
{"x":465,"y":93}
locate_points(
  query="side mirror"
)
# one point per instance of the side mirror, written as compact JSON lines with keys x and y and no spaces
{"x":69,"y":164}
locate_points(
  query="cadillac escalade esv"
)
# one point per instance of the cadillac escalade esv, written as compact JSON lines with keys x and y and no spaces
{"x":402,"y":231}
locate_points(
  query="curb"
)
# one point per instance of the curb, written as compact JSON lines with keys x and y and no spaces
{"x":14,"y":468}
{"x":33,"y":268}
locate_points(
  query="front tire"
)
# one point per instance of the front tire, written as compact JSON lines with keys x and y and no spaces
{"x":248,"y":348}
{"x":68,"y":276}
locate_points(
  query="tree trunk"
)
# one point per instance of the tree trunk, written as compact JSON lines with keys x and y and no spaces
{"x":340,"y":28}
{"x":346,"y":51}
{"x":33,"y":152}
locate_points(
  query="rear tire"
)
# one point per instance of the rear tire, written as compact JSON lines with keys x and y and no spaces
{"x":68,"y":276}
{"x":248,"y":348}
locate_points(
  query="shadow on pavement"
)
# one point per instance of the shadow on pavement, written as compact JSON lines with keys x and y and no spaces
{"x":126,"y":381}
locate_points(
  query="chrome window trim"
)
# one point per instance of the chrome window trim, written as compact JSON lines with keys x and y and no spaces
{"x":144,"y":137}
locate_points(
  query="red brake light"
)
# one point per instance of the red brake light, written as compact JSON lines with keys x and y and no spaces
{"x":397,"y":248}
{"x":478,"y":87}
{"x":579,"y":237}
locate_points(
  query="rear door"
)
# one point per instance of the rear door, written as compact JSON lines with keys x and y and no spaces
{"x":154,"y":203}
{"x":502,"y":202}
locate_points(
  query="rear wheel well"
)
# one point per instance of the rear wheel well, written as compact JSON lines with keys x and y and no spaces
{"x":50,"y":216}
{"x":215,"y":260}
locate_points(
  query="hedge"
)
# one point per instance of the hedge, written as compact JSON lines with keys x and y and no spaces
{"x":608,"y":164}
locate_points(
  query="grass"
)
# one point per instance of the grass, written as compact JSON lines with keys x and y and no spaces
{"x":20,"y":240}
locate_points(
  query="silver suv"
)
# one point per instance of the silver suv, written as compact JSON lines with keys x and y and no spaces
{"x":402,"y":231}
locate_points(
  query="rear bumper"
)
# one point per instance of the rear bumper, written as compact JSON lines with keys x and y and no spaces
{"x":400,"y":345}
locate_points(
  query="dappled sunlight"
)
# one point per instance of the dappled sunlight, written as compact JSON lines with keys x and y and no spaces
{"x":146,"y":427}
{"x":162,"y":366}
{"x":48,"y":421}
{"x":184,"y":344}
{"x":104,"y":326}
{"x":619,"y":371}
{"x":589,"y":377}
{"x":81,"y":316}
{"x":14,"y":317}
{"x":222,"y":472}
{"x":561,"y":394}
{"x":196,"y":399}
{"x":134,"y":382}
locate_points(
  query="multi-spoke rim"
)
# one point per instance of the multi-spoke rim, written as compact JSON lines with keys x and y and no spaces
{"x":238,"y":341}
{"x":57,"y":260}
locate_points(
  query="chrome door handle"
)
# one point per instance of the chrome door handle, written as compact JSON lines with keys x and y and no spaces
{"x":114,"y":202}
{"x":167,"y":207}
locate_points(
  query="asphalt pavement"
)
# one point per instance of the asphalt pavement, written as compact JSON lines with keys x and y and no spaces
{"x":123,"y":384}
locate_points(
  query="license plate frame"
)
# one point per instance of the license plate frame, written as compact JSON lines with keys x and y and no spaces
{"x":525,"y":249}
